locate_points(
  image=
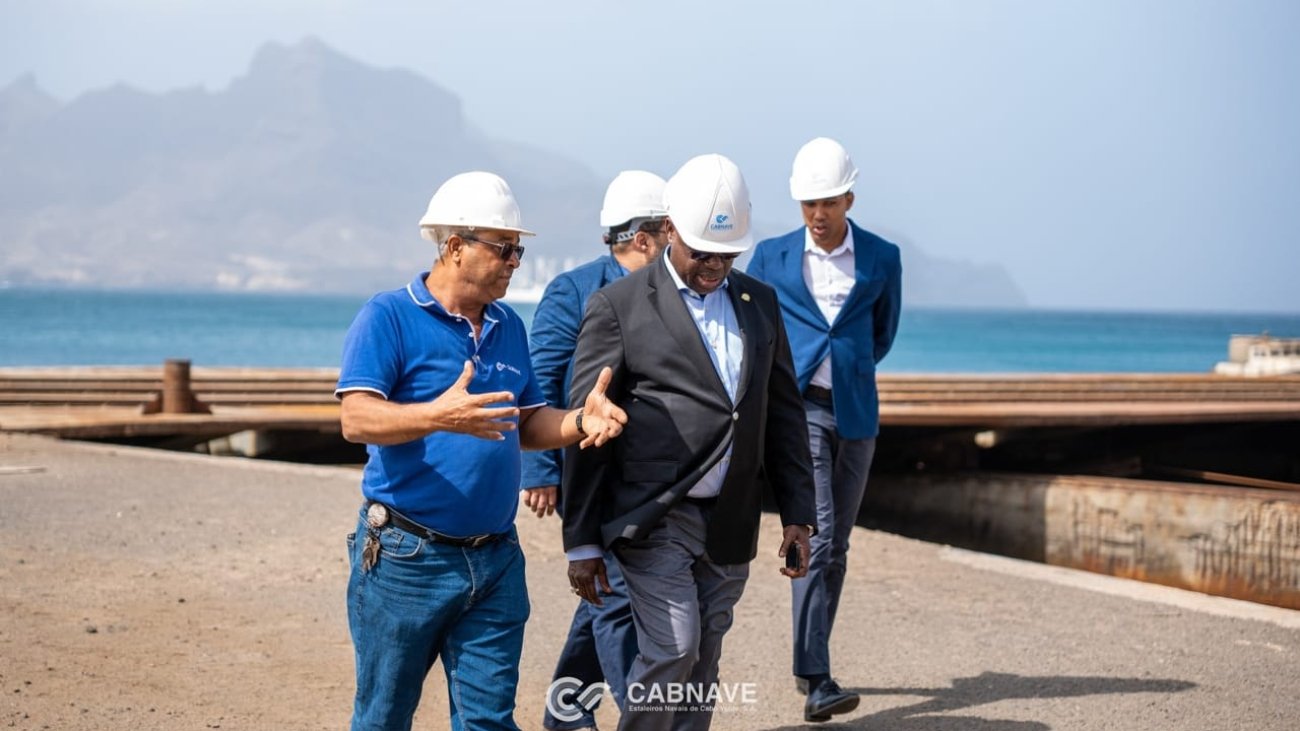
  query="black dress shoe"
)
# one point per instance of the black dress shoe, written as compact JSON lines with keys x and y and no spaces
{"x":801,"y":684}
{"x":827,"y":700}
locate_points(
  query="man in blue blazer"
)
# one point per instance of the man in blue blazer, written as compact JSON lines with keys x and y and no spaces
{"x":840,"y":288}
{"x":602,"y":640}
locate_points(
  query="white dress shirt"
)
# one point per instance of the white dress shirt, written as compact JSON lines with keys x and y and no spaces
{"x":716,"y":320}
{"x":829,"y":276}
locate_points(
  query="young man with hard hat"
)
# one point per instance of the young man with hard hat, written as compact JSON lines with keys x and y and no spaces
{"x":601,"y":642}
{"x":701,"y":363}
{"x":840,"y":288}
{"x":437,"y":382}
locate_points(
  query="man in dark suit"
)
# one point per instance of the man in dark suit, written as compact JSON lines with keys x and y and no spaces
{"x":840,"y":289}
{"x":702,"y":366}
{"x":602,"y":641}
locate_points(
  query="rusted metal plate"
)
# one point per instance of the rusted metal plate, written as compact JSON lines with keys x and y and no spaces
{"x":111,"y":423}
{"x":916,"y":400}
{"x":1229,"y":541}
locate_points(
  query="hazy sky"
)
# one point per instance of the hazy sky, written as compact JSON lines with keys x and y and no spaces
{"x":1133,"y":154}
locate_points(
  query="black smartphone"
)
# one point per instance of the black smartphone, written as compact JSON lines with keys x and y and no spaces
{"x":792,"y":555}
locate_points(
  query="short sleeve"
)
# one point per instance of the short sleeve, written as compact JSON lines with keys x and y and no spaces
{"x":371,"y":359}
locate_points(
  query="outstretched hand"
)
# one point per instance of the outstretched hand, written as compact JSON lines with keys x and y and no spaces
{"x":458,"y":410}
{"x":602,"y":419}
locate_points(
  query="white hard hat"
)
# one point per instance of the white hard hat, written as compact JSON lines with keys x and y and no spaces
{"x":708,"y":202}
{"x":822,"y":169}
{"x":473,"y":200}
{"x":632,"y":194}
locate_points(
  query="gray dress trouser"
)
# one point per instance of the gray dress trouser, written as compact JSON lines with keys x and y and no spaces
{"x":682,"y":606}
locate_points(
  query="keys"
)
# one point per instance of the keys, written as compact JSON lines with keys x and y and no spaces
{"x":370,"y":551}
{"x":376,"y":518}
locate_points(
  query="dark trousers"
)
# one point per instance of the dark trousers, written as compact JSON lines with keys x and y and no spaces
{"x":600,"y":647}
{"x":840,"y":468}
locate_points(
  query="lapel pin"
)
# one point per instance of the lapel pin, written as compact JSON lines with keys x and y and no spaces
{"x":744,"y":296}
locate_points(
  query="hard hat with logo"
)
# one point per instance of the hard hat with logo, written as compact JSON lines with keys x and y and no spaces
{"x":632,"y":194}
{"x":822,"y":169}
{"x":708,"y":202}
{"x":473,"y":200}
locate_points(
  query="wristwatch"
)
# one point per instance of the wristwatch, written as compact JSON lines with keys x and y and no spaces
{"x":577,"y":421}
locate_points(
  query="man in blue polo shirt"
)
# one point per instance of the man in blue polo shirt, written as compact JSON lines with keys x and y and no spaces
{"x":436,"y":381}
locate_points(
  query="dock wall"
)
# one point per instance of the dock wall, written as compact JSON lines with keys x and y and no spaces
{"x":1235,"y":542}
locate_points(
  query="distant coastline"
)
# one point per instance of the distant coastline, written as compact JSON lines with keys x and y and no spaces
{"x":67,"y":326}
{"x":529,"y":293}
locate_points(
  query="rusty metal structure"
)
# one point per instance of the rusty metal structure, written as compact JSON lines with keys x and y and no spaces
{"x":1189,"y":480}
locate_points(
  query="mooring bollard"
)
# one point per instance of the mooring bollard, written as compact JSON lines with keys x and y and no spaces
{"x":177,"y":398}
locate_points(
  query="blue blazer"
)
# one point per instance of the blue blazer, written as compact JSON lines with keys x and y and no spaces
{"x":553,"y":338}
{"x":860,"y":336}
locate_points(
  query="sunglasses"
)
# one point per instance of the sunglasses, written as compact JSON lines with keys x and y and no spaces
{"x":705,"y":256}
{"x":504,"y":249}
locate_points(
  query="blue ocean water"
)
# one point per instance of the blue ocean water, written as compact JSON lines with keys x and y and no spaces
{"x":68,"y":327}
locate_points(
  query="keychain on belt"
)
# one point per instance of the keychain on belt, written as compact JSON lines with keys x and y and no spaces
{"x":376,"y":518}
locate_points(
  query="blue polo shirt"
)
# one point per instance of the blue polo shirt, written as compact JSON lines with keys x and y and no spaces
{"x":407,"y":348}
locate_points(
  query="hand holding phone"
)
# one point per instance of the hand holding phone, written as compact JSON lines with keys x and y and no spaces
{"x":794,"y":542}
{"x":793,"y":557}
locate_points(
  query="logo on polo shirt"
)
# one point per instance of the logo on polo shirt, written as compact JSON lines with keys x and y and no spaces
{"x":507,"y":367}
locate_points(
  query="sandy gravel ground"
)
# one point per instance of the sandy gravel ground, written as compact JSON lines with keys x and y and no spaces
{"x":145,"y":590}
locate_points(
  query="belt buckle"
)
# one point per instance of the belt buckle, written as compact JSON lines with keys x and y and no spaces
{"x":479,"y":540}
{"x":376,"y":515}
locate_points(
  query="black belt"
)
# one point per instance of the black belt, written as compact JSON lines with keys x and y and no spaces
{"x":703,"y":502}
{"x":819,"y":395}
{"x":410,"y":526}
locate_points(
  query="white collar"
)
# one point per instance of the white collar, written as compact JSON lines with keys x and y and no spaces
{"x":845,"y":246}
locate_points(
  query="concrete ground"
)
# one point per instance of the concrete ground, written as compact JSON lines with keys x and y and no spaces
{"x":148,"y":590}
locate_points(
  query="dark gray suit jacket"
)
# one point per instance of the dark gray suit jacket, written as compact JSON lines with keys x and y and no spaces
{"x":680,"y":419}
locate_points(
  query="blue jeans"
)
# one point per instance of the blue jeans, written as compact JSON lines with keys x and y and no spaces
{"x":422,"y":601}
{"x":600,"y":647}
{"x":840,"y":468}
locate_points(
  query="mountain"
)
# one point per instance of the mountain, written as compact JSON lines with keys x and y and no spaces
{"x":929,"y":281}
{"x":307,"y":172}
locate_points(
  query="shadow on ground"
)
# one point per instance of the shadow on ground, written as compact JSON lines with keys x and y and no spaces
{"x":988,"y":688}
